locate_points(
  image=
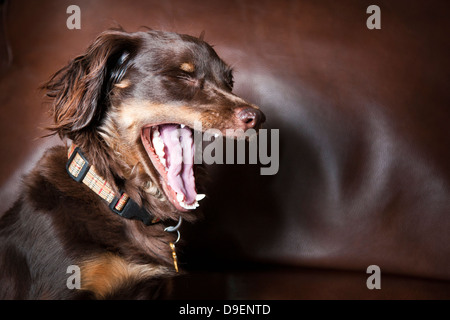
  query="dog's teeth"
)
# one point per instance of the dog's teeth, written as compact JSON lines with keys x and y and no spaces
{"x":157,"y":142}
{"x":180,"y":197}
{"x":189,"y":206}
{"x":184,"y":205}
{"x":200,"y":196}
{"x":160,"y":151}
{"x":182,"y":126}
{"x":158,"y":145}
{"x":159,"y":148}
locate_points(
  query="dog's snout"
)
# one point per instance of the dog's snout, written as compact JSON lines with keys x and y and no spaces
{"x":250,"y":117}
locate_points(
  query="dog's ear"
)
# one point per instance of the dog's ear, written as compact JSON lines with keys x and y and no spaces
{"x":80,"y":90}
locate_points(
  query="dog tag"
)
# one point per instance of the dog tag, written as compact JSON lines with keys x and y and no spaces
{"x":174,"y":256}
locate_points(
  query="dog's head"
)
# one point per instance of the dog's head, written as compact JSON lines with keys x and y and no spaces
{"x":131,"y":103}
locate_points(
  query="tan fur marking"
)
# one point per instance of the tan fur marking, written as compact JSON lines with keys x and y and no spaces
{"x":134,"y":115}
{"x":188,"y":67}
{"x":103,"y":274}
{"x":124,"y":84}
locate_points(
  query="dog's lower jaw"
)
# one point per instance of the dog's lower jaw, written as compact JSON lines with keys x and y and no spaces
{"x":142,"y":185}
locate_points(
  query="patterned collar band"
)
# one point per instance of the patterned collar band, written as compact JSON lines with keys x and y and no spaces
{"x":79,"y":169}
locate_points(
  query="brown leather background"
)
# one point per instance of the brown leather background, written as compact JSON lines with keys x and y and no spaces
{"x":363,"y":117}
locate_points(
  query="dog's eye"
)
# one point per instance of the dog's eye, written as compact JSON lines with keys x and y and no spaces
{"x":191,"y":79}
{"x":185,"y":76}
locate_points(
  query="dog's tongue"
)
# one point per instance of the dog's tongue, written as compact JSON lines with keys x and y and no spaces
{"x":179,"y":150}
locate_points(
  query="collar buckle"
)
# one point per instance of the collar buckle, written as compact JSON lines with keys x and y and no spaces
{"x":77,"y":169}
{"x":126,"y":207}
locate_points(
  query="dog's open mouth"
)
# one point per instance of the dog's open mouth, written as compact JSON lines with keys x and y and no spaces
{"x":170,"y":147}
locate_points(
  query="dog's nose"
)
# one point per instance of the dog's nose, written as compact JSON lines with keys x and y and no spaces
{"x":251,"y":117}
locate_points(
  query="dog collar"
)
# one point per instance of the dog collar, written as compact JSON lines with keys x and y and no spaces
{"x":80,"y":170}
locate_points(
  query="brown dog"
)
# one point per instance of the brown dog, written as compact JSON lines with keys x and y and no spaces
{"x":103,"y":206}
